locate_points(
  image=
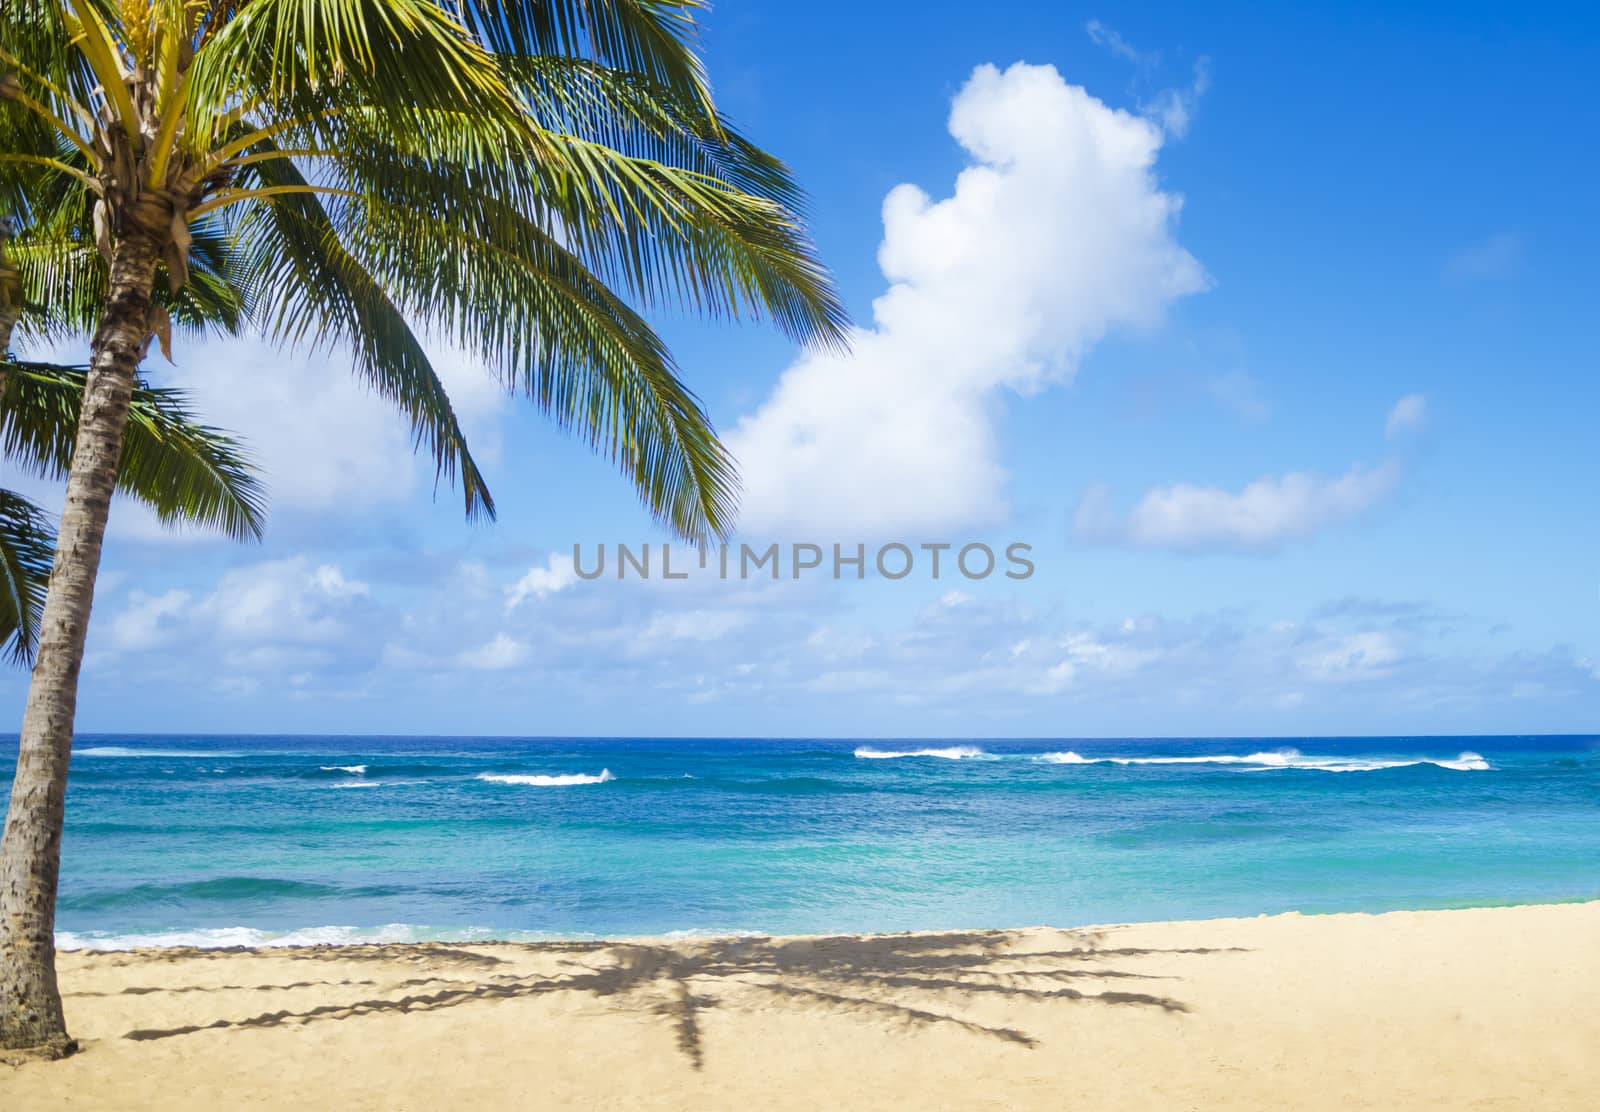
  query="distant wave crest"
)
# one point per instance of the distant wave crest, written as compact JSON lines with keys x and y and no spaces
{"x":951,"y":753}
{"x":124,"y":751}
{"x":1466,"y":761}
{"x":353,"y":770}
{"x":568,"y":781}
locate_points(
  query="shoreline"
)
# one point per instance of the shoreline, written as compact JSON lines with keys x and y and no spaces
{"x":1394,"y":1009}
{"x":470,"y":937}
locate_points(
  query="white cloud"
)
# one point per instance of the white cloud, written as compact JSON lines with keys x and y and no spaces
{"x":1174,"y":108}
{"x":1408,"y":414}
{"x":1355,"y":656}
{"x":147,"y":620}
{"x":1171,"y":108}
{"x":503,"y":651}
{"x":1262,"y":516}
{"x":323,"y":441}
{"x":1111,"y":39}
{"x":282,"y":600}
{"x":979,"y":664}
{"x":274,"y":602}
{"x":556,"y":575}
{"x":1083,"y":652}
{"x":691,"y":625}
{"x":1057,"y":233}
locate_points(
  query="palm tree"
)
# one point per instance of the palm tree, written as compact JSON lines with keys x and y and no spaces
{"x":515,"y":175}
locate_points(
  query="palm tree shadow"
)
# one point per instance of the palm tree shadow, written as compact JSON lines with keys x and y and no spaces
{"x":910,"y":979}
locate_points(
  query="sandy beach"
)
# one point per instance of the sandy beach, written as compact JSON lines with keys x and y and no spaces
{"x":1490,"y":1008}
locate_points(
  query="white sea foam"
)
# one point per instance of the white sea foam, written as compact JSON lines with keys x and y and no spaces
{"x":212,"y":938}
{"x":354,"y":770}
{"x":567,"y":781}
{"x":1284,"y":758}
{"x":952,"y":753}
{"x":355,"y":784}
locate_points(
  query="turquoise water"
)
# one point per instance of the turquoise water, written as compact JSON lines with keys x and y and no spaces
{"x":219,"y":840}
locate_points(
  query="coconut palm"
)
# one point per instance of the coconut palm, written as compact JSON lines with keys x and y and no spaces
{"x":522,"y":177}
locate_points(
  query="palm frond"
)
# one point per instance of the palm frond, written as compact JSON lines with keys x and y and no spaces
{"x":656,"y":38}
{"x":523,"y":177}
{"x":186,"y":472}
{"x":549,"y":328}
{"x":27,"y":549}
{"x":313,"y":291}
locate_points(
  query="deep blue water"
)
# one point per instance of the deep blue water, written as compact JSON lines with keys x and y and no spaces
{"x":251,"y":839}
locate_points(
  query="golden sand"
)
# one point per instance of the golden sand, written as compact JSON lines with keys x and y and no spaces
{"x":1493,"y":1008}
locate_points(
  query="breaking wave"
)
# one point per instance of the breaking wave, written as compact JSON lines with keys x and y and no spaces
{"x":567,"y":781}
{"x":1467,"y":761}
{"x":952,"y":753}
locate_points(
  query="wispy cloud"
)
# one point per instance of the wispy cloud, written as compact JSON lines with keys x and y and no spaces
{"x":1237,"y":392}
{"x":1409,"y":414}
{"x":540,"y":582}
{"x":1497,"y":257}
{"x":1112,"y":40}
{"x":1260,"y":517}
{"x":1172,"y":107}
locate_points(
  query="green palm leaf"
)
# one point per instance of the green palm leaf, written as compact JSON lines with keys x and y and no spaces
{"x":27,"y":547}
{"x":184,"y":471}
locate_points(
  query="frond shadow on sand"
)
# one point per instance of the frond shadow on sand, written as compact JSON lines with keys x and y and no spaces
{"x":919,"y":980}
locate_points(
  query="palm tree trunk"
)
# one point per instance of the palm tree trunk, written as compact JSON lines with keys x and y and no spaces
{"x":30,"y":853}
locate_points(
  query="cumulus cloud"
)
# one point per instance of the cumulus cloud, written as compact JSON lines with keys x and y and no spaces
{"x":1055,"y":234}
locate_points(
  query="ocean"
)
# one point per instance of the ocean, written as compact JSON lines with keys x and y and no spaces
{"x":259,"y":840}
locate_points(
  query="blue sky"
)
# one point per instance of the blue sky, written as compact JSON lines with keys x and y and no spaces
{"x":1266,"y":331}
